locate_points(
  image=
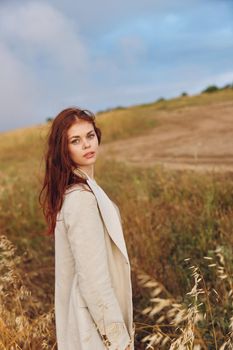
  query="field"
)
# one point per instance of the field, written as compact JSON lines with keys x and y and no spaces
{"x":188,"y":134}
{"x":157,"y":162}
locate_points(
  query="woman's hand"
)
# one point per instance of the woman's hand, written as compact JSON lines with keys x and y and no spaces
{"x":128,"y":348}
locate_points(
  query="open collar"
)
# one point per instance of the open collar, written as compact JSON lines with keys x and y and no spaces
{"x":108,"y":212}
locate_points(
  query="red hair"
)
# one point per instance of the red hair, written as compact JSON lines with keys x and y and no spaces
{"x":58,"y":164}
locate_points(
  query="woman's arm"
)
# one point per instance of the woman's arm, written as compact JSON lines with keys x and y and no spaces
{"x":85,"y":232}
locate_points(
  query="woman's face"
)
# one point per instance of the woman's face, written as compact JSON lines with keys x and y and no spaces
{"x":82,"y":140}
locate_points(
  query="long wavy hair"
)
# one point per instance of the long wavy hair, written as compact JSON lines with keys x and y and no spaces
{"x":58,"y":164}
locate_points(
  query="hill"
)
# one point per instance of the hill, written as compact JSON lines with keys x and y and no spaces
{"x":189,"y":133}
{"x":193,"y":132}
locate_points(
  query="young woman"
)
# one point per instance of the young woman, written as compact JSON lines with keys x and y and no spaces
{"x":93,"y":292}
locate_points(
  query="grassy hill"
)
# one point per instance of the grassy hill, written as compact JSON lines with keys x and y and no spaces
{"x":168,"y":216}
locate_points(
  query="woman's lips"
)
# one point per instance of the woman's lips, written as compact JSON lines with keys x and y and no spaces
{"x":89,"y":155}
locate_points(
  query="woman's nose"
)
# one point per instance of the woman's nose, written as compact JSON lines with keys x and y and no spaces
{"x":86,"y":144}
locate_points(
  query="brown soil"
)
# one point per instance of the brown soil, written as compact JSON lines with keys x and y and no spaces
{"x":199,"y":138}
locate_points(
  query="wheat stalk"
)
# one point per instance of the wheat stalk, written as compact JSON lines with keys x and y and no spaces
{"x":21,"y":324}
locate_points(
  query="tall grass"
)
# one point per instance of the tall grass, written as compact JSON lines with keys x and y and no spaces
{"x":23,"y":322}
{"x":202,"y":319}
{"x":168,"y":216}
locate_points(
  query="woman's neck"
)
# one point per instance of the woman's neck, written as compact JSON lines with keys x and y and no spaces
{"x":87,"y":171}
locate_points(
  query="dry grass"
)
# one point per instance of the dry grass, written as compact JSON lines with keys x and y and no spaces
{"x":167,"y":217}
{"x":163,"y":224}
{"x":22,"y":325}
{"x":190,"y":324}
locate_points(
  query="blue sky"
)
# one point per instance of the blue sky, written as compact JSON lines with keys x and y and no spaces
{"x":103,"y":54}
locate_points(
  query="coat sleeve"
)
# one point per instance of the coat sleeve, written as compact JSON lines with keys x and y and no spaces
{"x":85,"y":231}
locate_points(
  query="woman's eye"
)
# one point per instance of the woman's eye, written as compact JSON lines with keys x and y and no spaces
{"x":76,"y":141}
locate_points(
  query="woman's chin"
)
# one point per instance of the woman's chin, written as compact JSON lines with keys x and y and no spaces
{"x":88,"y":161}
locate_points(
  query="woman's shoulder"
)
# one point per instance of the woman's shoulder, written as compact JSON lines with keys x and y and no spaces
{"x":78,"y":195}
{"x":77,"y":187}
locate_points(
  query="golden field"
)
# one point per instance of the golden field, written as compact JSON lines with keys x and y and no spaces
{"x":177,"y":220}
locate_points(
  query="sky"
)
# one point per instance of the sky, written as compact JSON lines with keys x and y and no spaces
{"x":102,"y":54}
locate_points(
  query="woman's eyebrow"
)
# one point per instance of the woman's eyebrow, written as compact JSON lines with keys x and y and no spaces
{"x":77,"y":136}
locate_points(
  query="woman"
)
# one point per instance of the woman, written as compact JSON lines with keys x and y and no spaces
{"x":93,"y":292}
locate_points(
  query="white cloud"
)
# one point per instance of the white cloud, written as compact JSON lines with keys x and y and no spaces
{"x":38,"y":29}
{"x":18,"y":95}
{"x":42,"y":55}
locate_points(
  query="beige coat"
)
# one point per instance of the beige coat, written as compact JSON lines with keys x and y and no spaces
{"x":93,"y":292}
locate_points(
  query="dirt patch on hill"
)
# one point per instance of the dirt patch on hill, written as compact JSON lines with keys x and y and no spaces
{"x":199,"y":138}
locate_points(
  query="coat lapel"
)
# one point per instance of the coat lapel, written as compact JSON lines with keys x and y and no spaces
{"x":108,"y":213}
